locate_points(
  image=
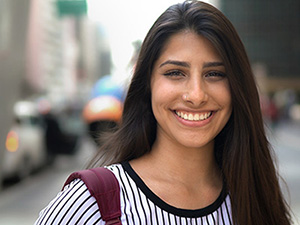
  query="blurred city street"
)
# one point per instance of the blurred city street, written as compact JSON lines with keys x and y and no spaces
{"x":21,"y":203}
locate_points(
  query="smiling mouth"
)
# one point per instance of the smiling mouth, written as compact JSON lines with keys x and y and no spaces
{"x":193,"y":116}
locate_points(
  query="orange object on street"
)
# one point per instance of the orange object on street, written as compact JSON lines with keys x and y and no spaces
{"x":103,"y":108}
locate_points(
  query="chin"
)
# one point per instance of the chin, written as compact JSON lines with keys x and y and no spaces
{"x":197,"y":145}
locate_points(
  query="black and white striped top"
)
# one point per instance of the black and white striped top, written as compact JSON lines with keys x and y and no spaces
{"x":139,"y":205}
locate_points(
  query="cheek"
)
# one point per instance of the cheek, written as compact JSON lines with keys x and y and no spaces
{"x":226,"y":97}
{"x":159,"y":89}
{"x":226,"y":102}
{"x":221,"y":93}
{"x":158,"y":97}
{"x":163,"y":96}
{"x":155,"y":96}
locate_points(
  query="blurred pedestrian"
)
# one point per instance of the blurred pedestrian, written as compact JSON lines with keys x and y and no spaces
{"x":191,"y":147}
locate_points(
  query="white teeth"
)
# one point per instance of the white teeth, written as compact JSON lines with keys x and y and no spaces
{"x":193,"y":117}
{"x":202,"y":117}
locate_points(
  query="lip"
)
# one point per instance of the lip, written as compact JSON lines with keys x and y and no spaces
{"x":194,"y":123}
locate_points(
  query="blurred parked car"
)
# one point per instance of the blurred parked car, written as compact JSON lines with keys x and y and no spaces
{"x":25,"y":146}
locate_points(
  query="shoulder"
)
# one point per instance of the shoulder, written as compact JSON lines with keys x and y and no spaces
{"x":123,"y":174}
{"x":117,"y":170}
{"x":73,"y":205}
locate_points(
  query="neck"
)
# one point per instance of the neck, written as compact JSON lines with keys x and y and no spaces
{"x":190,"y":174}
{"x":189,"y":166}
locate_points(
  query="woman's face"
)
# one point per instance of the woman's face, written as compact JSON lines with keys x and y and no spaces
{"x":190,"y":94}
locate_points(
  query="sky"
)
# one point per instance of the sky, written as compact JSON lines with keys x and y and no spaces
{"x":125,"y":22}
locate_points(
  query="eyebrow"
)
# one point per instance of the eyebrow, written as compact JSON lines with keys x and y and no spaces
{"x":175,"y":62}
{"x":185,"y":64}
{"x":212,"y":64}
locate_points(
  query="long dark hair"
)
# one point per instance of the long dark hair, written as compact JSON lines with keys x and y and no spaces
{"x":242,"y":149}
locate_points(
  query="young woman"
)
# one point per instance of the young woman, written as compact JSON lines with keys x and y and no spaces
{"x":191,"y":148}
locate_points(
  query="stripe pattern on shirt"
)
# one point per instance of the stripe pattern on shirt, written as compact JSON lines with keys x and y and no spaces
{"x":139,"y":206}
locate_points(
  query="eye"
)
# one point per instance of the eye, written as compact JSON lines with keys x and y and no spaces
{"x":174,"y":73}
{"x":215,"y":75}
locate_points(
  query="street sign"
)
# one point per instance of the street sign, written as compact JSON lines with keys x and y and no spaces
{"x":71,"y":7}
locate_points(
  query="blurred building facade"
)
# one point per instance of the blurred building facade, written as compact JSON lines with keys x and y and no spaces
{"x":271,"y":33}
{"x":63,"y":50}
{"x":47,"y":52}
{"x":13,"y":30}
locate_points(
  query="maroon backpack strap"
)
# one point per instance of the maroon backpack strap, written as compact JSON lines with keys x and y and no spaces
{"x":104,"y":186}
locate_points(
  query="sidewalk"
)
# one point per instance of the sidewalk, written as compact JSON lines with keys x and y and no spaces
{"x":288,"y":132}
{"x":285,"y":139}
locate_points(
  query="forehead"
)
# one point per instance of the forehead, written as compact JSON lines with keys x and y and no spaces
{"x":189,"y":45}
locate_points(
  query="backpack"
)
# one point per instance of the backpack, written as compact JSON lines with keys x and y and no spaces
{"x":104,"y":186}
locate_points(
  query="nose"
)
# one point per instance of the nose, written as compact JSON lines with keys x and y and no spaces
{"x":196,"y":93}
